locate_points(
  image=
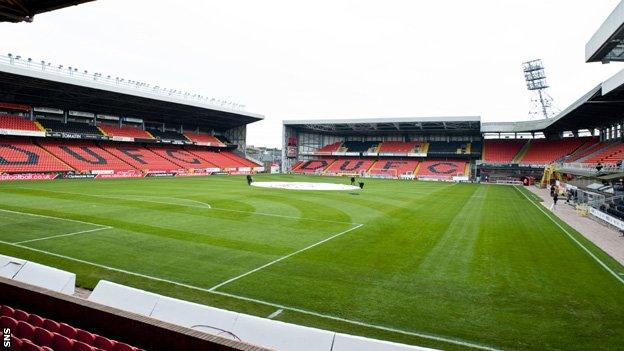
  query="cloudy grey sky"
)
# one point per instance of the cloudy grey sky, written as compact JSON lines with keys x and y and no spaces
{"x":325,"y":59}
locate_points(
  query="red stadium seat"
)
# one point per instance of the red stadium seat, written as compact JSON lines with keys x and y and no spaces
{"x":44,"y":337}
{"x":8,"y":322}
{"x":25,"y":330}
{"x":51,"y":325}
{"x":6,"y":311}
{"x":104,"y":343}
{"x":28,"y":345}
{"x":61,"y":343}
{"x":68,"y":331}
{"x":35,"y":320}
{"x":16,"y":343}
{"x":21,"y":315}
{"x":85,"y":336}
{"x":81,"y":346}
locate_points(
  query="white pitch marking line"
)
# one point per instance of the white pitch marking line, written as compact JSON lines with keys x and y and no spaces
{"x":275,"y":314}
{"x":540,"y":207}
{"x":63,"y":235}
{"x":294,"y":309}
{"x":52,"y":217}
{"x":186,"y":205}
{"x":284,"y":257}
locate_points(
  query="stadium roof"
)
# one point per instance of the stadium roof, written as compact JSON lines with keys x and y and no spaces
{"x":88,"y":93}
{"x":600,"y":107}
{"x":607,"y":44}
{"x":389,"y":125}
{"x":25,"y":10}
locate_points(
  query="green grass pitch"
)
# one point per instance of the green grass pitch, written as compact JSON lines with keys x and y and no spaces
{"x":433,"y":264}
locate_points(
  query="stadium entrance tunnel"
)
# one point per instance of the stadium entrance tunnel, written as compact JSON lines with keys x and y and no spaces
{"x":304,"y":186}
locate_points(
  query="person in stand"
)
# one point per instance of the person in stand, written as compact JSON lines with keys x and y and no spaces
{"x":249,"y":179}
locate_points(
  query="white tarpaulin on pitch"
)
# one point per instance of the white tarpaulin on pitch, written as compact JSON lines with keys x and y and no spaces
{"x":304,"y":186}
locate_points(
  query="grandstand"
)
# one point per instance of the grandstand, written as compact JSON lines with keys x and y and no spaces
{"x":386,"y":147}
{"x":116,"y":136}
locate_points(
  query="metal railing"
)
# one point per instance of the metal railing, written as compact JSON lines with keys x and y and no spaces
{"x":108,"y":80}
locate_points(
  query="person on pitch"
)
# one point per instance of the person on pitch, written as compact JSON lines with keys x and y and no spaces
{"x":249,"y":180}
{"x":352,"y":180}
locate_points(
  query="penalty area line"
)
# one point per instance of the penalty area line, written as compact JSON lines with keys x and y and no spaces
{"x":63,"y":235}
{"x":598,"y":260}
{"x":266,"y":303}
{"x":284,"y":257}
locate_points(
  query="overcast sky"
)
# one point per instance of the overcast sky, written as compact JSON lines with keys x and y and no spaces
{"x":331,"y":59}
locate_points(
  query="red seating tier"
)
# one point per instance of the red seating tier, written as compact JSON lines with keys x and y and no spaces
{"x":610,"y":156}
{"x":397,"y":146}
{"x":17,"y":123}
{"x":219,"y":159}
{"x":83,"y":156}
{"x":501,"y":151}
{"x":180,"y":157}
{"x":31,"y":332}
{"x":441,"y":169}
{"x":589,"y":149}
{"x":139,"y":157}
{"x":20,"y":155}
{"x":203,"y":139}
{"x":313,"y":166}
{"x":328,"y":149}
{"x":547,"y":151}
{"x":125,"y":131}
{"x":393,"y":167}
{"x":350,"y":165}
{"x":245,"y":162}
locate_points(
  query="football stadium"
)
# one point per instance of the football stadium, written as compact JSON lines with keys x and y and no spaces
{"x":133,"y":218}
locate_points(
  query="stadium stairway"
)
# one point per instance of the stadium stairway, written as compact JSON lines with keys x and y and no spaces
{"x":520,"y":155}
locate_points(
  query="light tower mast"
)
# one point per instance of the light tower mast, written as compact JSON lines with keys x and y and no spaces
{"x":541,"y":102}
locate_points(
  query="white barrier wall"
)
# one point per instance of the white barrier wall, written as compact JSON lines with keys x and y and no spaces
{"x":281,"y":336}
{"x":9,"y":266}
{"x":124,"y":298}
{"x":346,"y":342}
{"x":37,"y":274}
{"x":233,"y":325}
